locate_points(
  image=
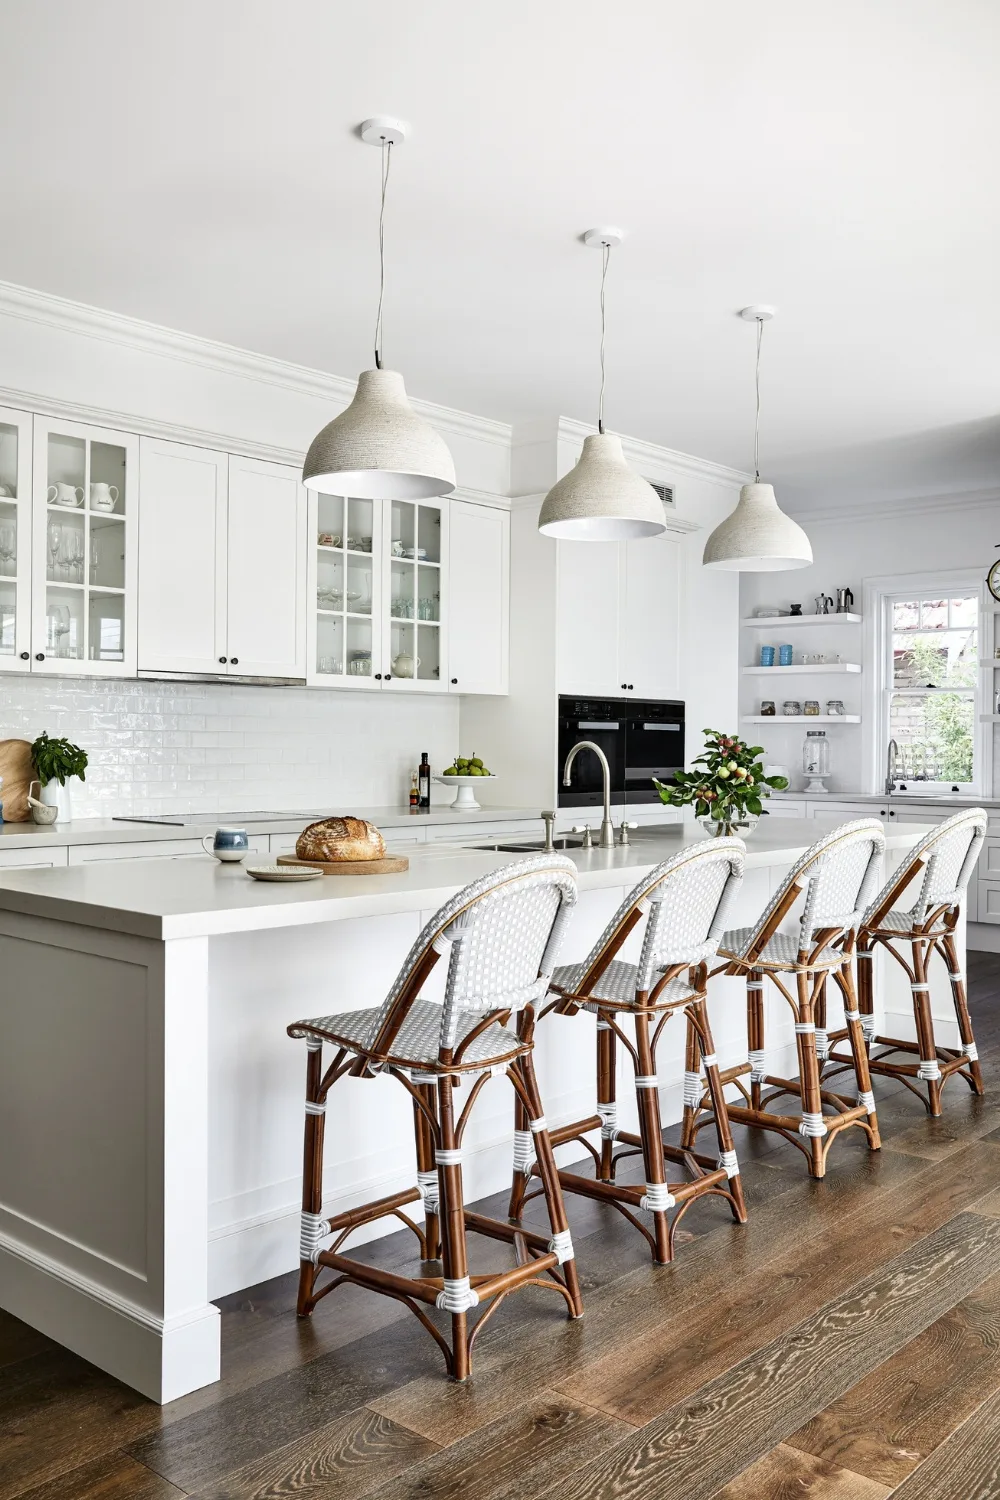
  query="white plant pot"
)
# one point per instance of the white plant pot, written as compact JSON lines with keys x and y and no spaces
{"x":60,"y":797}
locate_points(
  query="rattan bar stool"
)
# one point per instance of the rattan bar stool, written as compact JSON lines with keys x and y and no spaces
{"x":685,"y":901}
{"x":947,"y":857}
{"x":501,"y":934}
{"x":836,"y":878}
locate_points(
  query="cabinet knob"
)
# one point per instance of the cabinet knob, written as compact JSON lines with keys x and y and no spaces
{"x":454,"y":681}
{"x":25,"y":655}
{"x":624,"y":686}
{"x":39,"y":655}
{"x":378,"y":676}
{"x":631,"y":687}
{"x":222,"y":661}
{"x":234,"y":661}
{"x":388,"y":676}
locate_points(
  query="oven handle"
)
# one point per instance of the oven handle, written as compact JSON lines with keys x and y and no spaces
{"x":664,"y":728}
{"x":602,"y":724}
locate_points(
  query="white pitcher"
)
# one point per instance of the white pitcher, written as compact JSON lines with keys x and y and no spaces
{"x":103,"y":496}
{"x":65,"y":494}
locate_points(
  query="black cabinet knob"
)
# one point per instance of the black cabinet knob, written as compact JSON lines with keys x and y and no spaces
{"x":25,"y":655}
{"x":454,"y":680}
{"x":234,"y":661}
{"x":378,"y":676}
{"x":388,"y":676}
{"x":624,"y":686}
{"x":631,"y":687}
{"x":222,"y":661}
{"x":39,"y":655}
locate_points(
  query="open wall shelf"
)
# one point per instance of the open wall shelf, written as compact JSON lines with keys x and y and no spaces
{"x":801,"y":670}
{"x":796,"y":622}
{"x":801,"y":719}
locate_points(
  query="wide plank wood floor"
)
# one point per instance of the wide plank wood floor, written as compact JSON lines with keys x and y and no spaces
{"x":843,"y":1345}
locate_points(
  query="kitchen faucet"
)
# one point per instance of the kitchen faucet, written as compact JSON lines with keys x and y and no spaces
{"x":607,"y":840}
{"x":891,"y":767}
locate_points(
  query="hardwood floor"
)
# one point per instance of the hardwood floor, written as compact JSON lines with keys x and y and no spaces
{"x":843,"y":1345}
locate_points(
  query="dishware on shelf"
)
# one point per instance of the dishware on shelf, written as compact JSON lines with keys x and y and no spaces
{"x":329,"y":539}
{"x":791,"y":708}
{"x":816,"y":759}
{"x":8,"y":546}
{"x":810,"y":708}
{"x":824,"y":604}
{"x":767,"y":656}
{"x":360,"y":664}
{"x":835,"y":708}
{"x":6,"y":493}
{"x":419,"y":553}
{"x":814,"y":659}
{"x":465,"y":786}
{"x":365,"y":544}
{"x":69,"y":495}
{"x":229,"y":845}
{"x":795,"y":610}
{"x":103,"y":496}
{"x":405,"y":665}
{"x":785,"y":655}
{"x":767,"y":708}
{"x":397,"y":548}
{"x":284,"y":874}
{"x":845,"y":601}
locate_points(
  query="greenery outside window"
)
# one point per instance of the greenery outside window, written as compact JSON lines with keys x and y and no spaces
{"x":931,"y":684}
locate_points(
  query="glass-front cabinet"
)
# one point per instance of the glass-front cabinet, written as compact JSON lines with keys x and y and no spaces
{"x":84,"y":550}
{"x":15,"y":541}
{"x":377,"y":585}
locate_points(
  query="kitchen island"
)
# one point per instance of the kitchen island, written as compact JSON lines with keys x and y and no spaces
{"x":152,"y":1102}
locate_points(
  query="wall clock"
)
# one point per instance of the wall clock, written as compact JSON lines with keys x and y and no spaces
{"x":993,"y":579}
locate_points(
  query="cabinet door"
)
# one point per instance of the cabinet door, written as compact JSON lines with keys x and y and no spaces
{"x":344,"y":581}
{"x":266,"y":569}
{"x":587,"y":618}
{"x":182,"y":559}
{"x":650,"y":617}
{"x":84,"y":550}
{"x":15,"y":541}
{"x":415,"y":569}
{"x":478,"y":598}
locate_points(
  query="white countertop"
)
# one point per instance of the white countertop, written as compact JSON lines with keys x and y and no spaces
{"x":164,"y":898}
{"x":897,"y":801}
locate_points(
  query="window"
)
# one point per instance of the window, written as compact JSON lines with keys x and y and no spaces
{"x":930,"y":684}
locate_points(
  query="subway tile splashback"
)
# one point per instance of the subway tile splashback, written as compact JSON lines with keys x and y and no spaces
{"x":206,"y":747}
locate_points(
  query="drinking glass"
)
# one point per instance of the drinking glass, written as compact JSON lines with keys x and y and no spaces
{"x":95,"y":557}
{"x":76,"y":555}
{"x":54,"y":541}
{"x":7,"y":543}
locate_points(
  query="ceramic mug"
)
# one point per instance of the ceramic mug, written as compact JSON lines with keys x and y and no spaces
{"x":103,"y":496}
{"x":64,"y":494}
{"x":229,"y":845}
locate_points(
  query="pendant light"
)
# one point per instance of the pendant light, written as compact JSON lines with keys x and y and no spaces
{"x":378,"y":448}
{"x":757,"y":537}
{"x":600,"y":499}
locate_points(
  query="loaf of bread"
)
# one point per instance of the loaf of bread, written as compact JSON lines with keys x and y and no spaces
{"x":340,"y":838}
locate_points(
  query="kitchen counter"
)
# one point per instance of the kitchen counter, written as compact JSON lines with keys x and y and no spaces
{"x":897,"y":800}
{"x":152,"y":1100}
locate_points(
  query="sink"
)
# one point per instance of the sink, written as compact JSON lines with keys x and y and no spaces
{"x":530,"y":846}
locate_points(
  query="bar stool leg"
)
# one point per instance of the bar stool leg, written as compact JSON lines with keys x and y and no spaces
{"x":549,"y":1174}
{"x":866,"y":990}
{"x":312,"y":1174}
{"x":693,"y":1090}
{"x":822,"y":1040}
{"x":962,"y":1016}
{"x":523,"y":1154}
{"x":929,"y":1069}
{"x":859,"y":1051}
{"x":606,"y":1094}
{"x":727,"y":1151}
{"x":454,"y":1256}
{"x":755,"y":1033}
{"x":813,"y":1126}
{"x":430,"y":1240}
{"x":651,"y":1135}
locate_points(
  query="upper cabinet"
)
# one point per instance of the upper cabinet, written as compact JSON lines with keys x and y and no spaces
{"x":478,"y":599}
{"x":221,"y":564}
{"x":84,"y":550}
{"x":15,"y":540}
{"x":618,"y":618}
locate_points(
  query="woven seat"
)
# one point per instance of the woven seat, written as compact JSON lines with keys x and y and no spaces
{"x":943,"y":861}
{"x":684,"y":902}
{"x":617,"y":985}
{"x":501,"y":935}
{"x":781,"y":951}
{"x":418,"y":1042}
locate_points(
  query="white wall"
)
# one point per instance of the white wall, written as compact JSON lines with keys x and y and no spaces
{"x":945,"y":533}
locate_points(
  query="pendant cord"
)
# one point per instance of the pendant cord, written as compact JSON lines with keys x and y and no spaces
{"x":605,"y":258}
{"x":386,"y":159}
{"x":756,"y":424}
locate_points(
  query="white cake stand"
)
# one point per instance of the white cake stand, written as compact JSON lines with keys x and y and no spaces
{"x":465,"y":787}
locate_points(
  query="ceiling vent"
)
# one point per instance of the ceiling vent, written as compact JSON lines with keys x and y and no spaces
{"x":665,"y":492}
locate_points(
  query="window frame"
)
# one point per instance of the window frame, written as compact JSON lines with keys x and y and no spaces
{"x":879,"y":596}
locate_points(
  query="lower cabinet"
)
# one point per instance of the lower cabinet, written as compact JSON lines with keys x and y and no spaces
{"x":96,"y":854}
{"x":32,"y":859}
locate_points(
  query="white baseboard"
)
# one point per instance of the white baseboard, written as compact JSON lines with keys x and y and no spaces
{"x":161,"y":1358}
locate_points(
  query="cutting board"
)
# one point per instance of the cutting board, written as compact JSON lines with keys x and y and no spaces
{"x":392,"y":864}
{"x":18,"y":771}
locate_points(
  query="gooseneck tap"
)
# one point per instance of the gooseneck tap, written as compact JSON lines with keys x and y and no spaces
{"x":607,"y":839}
{"x":891,"y":767}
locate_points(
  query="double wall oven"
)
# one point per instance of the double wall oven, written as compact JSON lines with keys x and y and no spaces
{"x":641,"y":739}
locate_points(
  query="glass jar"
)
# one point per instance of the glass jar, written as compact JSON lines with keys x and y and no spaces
{"x":791,"y":708}
{"x":816,"y":759}
{"x":767,"y":708}
{"x":811,"y":708}
{"x":835,"y":708}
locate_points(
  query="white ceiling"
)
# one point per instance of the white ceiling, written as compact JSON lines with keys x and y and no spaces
{"x":195,"y":164}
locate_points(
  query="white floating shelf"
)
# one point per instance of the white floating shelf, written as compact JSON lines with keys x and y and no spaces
{"x":801,"y":719}
{"x":801,"y":670}
{"x":773,"y":622}
{"x":989,"y":718}
{"x":990,"y":662}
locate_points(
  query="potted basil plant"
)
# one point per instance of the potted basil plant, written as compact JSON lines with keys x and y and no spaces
{"x":56,"y":762}
{"x":727,"y":792}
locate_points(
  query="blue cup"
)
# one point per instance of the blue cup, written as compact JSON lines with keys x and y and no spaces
{"x":784,"y":656}
{"x":767,"y":656}
{"x":229,"y":845}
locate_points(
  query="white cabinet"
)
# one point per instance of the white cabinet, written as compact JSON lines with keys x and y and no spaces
{"x":15,"y":540}
{"x":779,"y":808}
{"x":478,"y":603}
{"x":33,"y":859}
{"x":84,"y":550}
{"x":618,"y":618}
{"x":221,"y":564}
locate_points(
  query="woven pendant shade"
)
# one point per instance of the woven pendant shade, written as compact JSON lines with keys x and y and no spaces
{"x":601,"y":499}
{"x":379,"y":449}
{"x":758,"y":537}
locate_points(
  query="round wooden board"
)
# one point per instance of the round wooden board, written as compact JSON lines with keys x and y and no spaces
{"x":393,"y":864}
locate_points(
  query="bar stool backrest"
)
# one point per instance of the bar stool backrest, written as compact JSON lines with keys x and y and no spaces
{"x":839,"y":873}
{"x":687,"y":899}
{"x":948,"y":854}
{"x":501,"y":932}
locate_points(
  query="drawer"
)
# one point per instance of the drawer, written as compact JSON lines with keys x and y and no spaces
{"x":989,"y":901}
{"x":847,"y":810}
{"x":783,"y":809}
{"x":481,"y":833}
{"x":93,"y":854}
{"x":33,"y":859}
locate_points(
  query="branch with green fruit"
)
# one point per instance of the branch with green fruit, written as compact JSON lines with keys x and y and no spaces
{"x":730,"y":784}
{"x":466,"y":765}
